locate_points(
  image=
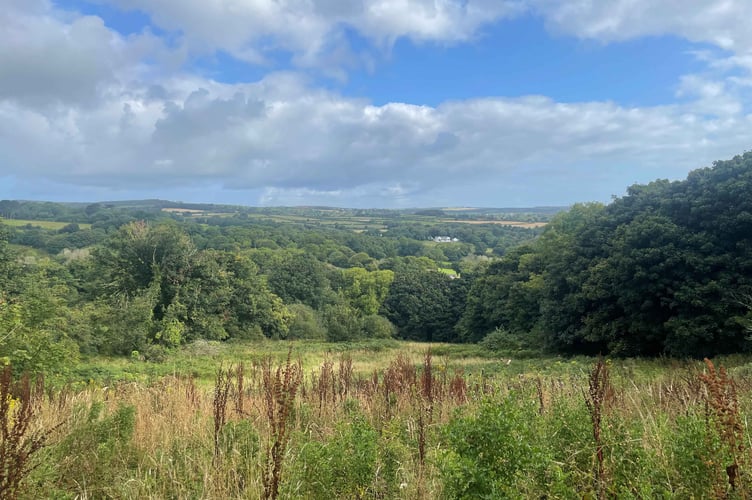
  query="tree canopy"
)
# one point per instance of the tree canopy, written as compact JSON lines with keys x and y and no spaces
{"x":662,"y":270}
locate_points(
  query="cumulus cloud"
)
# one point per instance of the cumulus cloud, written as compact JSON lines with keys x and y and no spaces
{"x":313,"y":31}
{"x":295,"y":140}
{"x":83,"y":105}
{"x":49,"y":57}
{"x":722,"y":23}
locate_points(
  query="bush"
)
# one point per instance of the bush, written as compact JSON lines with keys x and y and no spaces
{"x":503,"y":341}
{"x":342,"y":323}
{"x":345,"y":466}
{"x":377,"y":327}
{"x":306,"y":323}
{"x":91,"y":458}
{"x":487,"y":451}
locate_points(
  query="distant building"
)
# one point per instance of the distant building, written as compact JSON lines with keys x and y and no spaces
{"x":444,"y":239}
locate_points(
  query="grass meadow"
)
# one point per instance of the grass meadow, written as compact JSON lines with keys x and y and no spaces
{"x":378,"y":420}
{"x":44,"y":224}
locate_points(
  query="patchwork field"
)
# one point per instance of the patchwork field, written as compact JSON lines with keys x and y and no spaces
{"x":500,"y":222}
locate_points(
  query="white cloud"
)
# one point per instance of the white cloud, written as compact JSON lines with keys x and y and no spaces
{"x":80,"y":106}
{"x":294,"y":140}
{"x":50,"y":57}
{"x":720,"y":22}
{"x":313,"y":30}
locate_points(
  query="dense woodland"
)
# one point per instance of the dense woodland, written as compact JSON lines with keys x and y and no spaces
{"x":664,"y":270}
{"x":140,"y":278}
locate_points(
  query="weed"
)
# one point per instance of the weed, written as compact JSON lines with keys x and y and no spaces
{"x":17,"y":443}
{"x":222,"y":388}
{"x":722,"y":412}
{"x":280,"y":387}
{"x":595,"y":399}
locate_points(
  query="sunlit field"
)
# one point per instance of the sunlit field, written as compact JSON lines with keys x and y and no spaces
{"x":384,"y":419}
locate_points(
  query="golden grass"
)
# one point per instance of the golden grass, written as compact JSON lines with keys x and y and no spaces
{"x":526,"y":225}
{"x":44,"y":224}
{"x":174,"y":429}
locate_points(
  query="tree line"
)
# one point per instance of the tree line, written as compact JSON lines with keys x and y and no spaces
{"x":664,"y":270}
{"x":139,"y":283}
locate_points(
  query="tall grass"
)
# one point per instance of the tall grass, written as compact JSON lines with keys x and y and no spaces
{"x":417,"y":426}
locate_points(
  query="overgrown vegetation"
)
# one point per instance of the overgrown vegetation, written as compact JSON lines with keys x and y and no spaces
{"x":415,"y":427}
{"x":133,"y":311}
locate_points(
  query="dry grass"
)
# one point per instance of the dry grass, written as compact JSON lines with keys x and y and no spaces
{"x":249,"y":433}
{"x":44,"y":224}
{"x":526,"y":225}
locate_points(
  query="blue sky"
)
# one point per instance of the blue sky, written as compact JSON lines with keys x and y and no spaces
{"x":379,"y":103}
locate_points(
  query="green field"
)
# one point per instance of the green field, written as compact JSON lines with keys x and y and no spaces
{"x":45,"y":224}
{"x":201,"y":359}
{"x":347,"y":219}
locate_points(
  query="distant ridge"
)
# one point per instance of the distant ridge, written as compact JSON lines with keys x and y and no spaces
{"x":155,"y":203}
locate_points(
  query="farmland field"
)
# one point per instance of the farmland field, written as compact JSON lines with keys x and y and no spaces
{"x":348,"y":219}
{"x":45,"y":224}
{"x":500,"y":222}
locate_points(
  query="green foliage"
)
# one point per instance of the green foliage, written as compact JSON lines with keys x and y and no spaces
{"x":695,"y":448}
{"x":485,"y":452}
{"x":33,"y":325}
{"x":96,"y":451}
{"x":343,"y":466}
{"x":425,"y":304}
{"x":662,"y":270}
{"x":342,"y":322}
{"x":306,"y":323}
{"x":239,"y":442}
{"x":169,"y":293}
{"x":299,"y":277}
{"x":506,"y":295}
{"x":665,"y":269}
{"x":503,"y":342}
{"x":366,"y":290}
{"x":377,"y":327}
{"x":140,"y":255}
{"x":127,"y":324}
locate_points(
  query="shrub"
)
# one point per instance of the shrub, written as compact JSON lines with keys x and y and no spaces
{"x":306,"y":323}
{"x":377,"y":327}
{"x":92,"y":456}
{"x":503,"y":341}
{"x":487,"y":451}
{"x":344,"y":466}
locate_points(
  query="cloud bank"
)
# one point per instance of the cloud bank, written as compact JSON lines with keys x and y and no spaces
{"x":82,"y":105}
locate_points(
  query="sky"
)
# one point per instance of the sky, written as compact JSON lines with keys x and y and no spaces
{"x":368,"y":103}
